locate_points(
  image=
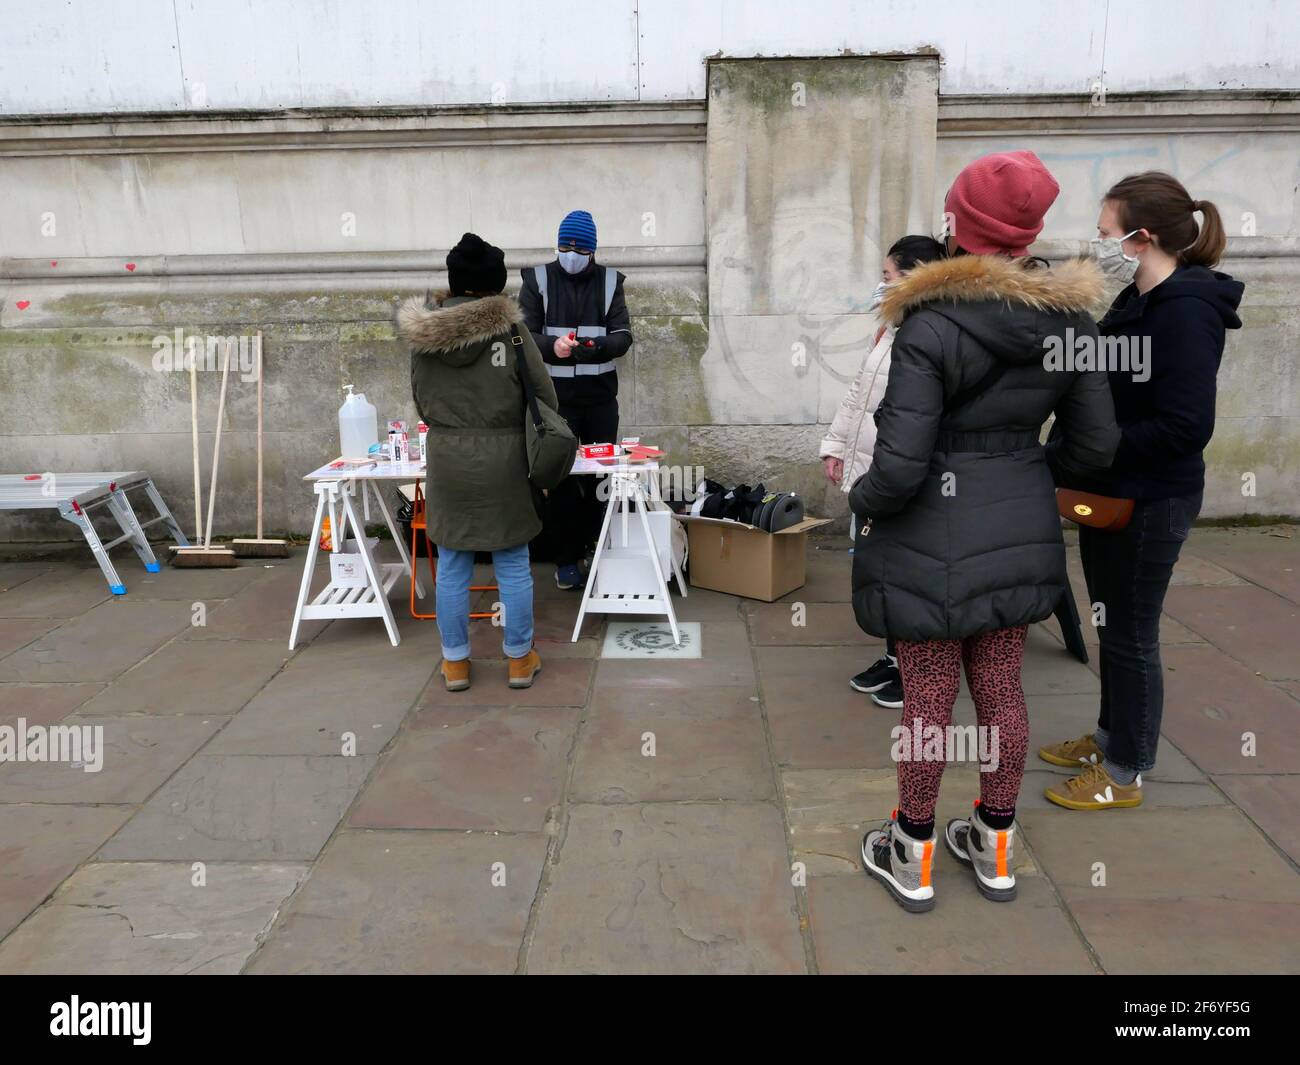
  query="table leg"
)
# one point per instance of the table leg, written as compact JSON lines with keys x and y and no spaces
{"x":407,"y":562}
{"x":639,"y":496}
{"x":313,"y":549}
{"x":587,"y":590}
{"x":372,"y":574}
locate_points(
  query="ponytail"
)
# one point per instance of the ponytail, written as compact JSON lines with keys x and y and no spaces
{"x":1208,"y":247}
{"x":1158,"y":202}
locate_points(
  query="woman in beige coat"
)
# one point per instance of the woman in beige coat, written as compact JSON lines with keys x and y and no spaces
{"x":846,"y":450}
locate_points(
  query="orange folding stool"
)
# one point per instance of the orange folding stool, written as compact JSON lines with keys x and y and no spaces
{"x":419,"y":524}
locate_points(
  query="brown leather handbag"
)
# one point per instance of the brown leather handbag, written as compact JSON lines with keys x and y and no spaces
{"x":1107,"y":513}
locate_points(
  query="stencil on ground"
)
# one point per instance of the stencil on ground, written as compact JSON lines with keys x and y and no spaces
{"x":651,"y":639}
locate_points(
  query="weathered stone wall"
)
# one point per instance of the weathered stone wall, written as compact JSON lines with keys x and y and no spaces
{"x":235,"y":223}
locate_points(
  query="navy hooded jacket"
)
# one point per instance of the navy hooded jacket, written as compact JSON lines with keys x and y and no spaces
{"x":1168,"y":419}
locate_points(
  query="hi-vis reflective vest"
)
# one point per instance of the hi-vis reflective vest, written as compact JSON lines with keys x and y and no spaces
{"x":582,"y":369}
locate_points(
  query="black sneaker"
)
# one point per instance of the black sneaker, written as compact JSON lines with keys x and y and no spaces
{"x":876,"y":675}
{"x":890,"y":696}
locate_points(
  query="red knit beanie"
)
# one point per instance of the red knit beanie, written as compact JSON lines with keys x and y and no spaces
{"x":997,"y":203}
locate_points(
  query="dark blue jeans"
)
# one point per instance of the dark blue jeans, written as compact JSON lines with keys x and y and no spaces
{"x":1128,"y":574}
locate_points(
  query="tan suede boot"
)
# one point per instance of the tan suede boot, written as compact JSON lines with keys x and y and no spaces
{"x":455,"y":675}
{"x":523,"y":670}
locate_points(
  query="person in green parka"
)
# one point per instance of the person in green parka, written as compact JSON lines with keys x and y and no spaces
{"x":466,"y":385}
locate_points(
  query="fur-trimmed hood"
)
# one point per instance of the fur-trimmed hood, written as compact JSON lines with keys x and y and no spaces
{"x":1073,"y":286}
{"x":1010,"y":306}
{"x":436,"y":325}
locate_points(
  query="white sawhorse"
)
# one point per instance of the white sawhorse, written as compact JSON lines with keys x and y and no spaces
{"x":627,"y":493}
{"x":369,"y":600}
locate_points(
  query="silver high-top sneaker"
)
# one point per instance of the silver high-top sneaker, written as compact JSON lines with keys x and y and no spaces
{"x":904,"y":865}
{"x":988,"y":851}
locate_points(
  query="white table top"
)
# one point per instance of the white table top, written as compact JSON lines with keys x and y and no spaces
{"x":601,"y":466}
{"x":372,"y":471}
{"x":414,"y":471}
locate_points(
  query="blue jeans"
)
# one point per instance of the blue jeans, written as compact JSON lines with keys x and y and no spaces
{"x":1128,"y":572}
{"x":515,"y":581}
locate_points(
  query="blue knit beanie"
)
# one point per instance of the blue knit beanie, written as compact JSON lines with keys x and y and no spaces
{"x":578,"y":227}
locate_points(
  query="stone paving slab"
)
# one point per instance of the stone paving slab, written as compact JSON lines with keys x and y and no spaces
{"x":858,"y":928}
{"x":708,"y":743}
{"x":1268,"y":557}
{"x":1273,"y":803}
{"x":807,"y":624}
{"x":106,"y":640}
{"x":147,"y":917}
{"x":139,"y":754}
{"x":1211,"y":702}
{"x":322,"y":694}
{"x":669,"y":888}
{"x":1192,"y":570}
{"x":12,"y":574}
{"x":58,"y":592}
{"x":704,"y":604}
{"x":188,"y":677}
{"x":1181,"y":936}
{"x":1160,"y":854}
{"x":42,"y":845}
{"x":827,"y":575}
{"x":16,"y":633}
{"x":1055,"y":718}
{"x":201,"y":585}
{"x":42,"y":704}
{"x":262,"y":610}
{"x":562,"y":682}
{"x":684,"y":861}
{"x":236,"y":808}
{"x":409,"y":902}
{"x":831,"y":809}
{"x":472,"y":768}
{"x":725,"y":661}
{"x":1252,"y":625}
{"x":816,"y":719}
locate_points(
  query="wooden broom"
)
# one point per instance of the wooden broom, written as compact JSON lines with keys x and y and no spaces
{"x":207,"y":556}
{"x":260,"y":547}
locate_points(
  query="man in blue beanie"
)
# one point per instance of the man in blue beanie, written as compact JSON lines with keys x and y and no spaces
{"x":575,"y":309}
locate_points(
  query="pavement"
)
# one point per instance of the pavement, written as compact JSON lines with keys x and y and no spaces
{"x":334,"y":810}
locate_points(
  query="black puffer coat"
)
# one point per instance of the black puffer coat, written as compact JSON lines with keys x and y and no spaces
{"x":965,"y":537}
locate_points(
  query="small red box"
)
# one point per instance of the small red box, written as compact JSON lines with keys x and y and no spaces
{"x":597,"y":451}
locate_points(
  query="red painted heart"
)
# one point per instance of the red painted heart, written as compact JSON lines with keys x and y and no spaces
{"x":130,"y":266}
{"x":24,"y":304}
{"x":54,"y":262}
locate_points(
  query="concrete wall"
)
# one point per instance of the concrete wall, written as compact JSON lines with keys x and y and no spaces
{"x":81,"y":56}
{"x":310,"y":227}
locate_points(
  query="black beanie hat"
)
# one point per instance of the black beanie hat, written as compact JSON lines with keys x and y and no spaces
{"x":474,"y":265}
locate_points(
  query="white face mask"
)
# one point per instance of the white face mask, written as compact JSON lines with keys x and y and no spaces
{"x":1109,"y":255}
{"x":574,"y":262}
{"x":878,"y":294}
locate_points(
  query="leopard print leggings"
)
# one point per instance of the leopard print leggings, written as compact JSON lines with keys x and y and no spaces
{"x":931,"y":680}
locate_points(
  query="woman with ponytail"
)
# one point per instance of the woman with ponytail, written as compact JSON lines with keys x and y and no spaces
{"x":1166,"y":329}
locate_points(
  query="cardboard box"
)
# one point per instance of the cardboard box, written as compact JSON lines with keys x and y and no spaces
{"x":729,"y":556}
